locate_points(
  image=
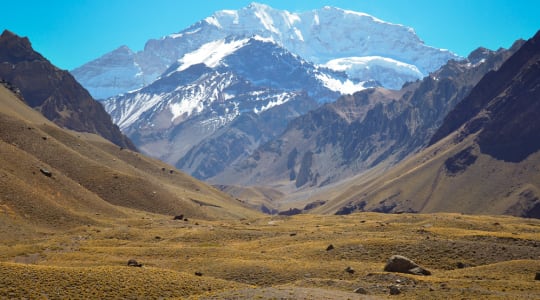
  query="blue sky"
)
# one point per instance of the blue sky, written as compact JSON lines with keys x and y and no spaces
{"x":72,"y":32}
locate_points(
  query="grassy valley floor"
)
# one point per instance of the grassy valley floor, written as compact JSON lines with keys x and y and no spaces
{"x":470,"y":257}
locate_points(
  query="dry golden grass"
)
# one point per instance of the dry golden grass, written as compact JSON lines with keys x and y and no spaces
{"x":277,"y":257}
{"x":90,"y":176}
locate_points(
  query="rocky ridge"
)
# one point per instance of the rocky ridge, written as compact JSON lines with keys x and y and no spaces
{"x":54,"y":92}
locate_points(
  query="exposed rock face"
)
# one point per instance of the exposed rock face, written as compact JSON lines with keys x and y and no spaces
{"x":459,"y":162}
{"x":401,"y":264}
{"x":505,"y":106}
{"x":54,"y":92}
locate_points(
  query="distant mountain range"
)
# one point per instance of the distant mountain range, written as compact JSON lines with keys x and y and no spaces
{"x":207,"y":97}
{"x":306,"y":112}
{"x":366,"y":48}
{"x":369,"y":128}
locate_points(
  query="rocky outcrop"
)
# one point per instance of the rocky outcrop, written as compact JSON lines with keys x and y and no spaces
{"x":54,"y":92}
{"x":402,"y":264}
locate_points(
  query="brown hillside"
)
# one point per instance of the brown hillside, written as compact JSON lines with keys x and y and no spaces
{"x":89,"y":176}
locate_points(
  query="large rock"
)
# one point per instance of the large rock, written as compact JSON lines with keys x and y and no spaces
{"x":402,"y":264}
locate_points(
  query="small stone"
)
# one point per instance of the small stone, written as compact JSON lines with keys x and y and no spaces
{"x":198,"y":273}
{"x":537,"y":277}
{"x":394,"y":290}
{"x":349,"y":270}
{"x":45,"y":172}
{"x":361,"y":290}
{"x":330,"y":247}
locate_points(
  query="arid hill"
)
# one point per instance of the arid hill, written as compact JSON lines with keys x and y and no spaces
{"x":56,"y":178}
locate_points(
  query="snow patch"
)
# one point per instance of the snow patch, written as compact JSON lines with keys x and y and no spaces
{"x":354,"y":65}
{"x":140,"y":104}
{"x":264,"y":39}
{"x":299,"y":34}
{"x":266,"y":20}
{"x":181,"y":34}
{"x":316,"y":21}
{"x":343,"y":87}
{"x":292,"y":18}
{"x":211,"y":53}
{"x":279,"y":100}
{"x":213,"y":21}
{"x":186,"y":106}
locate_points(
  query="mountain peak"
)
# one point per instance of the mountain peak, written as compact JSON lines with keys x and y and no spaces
{"x":317,"y":36}
{"x":14,"y":48}
{"x":258,"y":6}
{"x":54,"y":92}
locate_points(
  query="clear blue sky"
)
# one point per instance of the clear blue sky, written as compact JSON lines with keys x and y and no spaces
{"x":72,"y":32}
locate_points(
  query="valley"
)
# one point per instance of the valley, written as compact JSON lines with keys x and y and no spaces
{"x":266,"y":154}
{"x":472,"y":257}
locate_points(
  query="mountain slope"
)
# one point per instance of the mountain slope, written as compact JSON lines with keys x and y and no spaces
{"x":54,"y":92}
{"x":373,"y":127}
{"x":489,"y":161}
{"x":367,"y":48}
{"x":54,"y":178}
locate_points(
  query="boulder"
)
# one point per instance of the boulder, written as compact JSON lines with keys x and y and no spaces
{"x":133,"y":263}
{"x":394,"y":290}
{"x":401,"y":264}
{"x":45,"y":172}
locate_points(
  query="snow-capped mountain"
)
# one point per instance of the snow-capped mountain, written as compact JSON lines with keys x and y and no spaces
{"x":206,"y":97}
{"x":215,"y":92}
{"x":366,"y":48}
